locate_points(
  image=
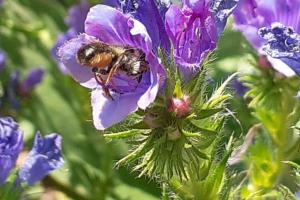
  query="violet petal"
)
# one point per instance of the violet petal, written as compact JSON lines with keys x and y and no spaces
{"x":44,"y":158}
{"x":11,"y":144}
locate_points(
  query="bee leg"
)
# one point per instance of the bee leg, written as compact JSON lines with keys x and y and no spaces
{"x":113,"y":70}
{"x":101,"y":82}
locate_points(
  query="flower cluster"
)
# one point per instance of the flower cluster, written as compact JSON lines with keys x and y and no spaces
{"x":15,"y":88}
{"x":44,"y":157}
{"x":193,"y":30}
{"x":272,"y":28}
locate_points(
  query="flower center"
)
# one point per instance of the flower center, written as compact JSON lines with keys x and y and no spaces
{"x":282,"y":41}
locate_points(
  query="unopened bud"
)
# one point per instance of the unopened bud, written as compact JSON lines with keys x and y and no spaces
{"x":179,"y":107}
{"x":264,"y":63}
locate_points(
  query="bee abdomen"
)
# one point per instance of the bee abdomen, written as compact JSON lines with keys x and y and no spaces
{"x":101,"y":60}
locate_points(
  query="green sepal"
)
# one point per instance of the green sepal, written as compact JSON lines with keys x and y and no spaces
{"x":171,"y":71}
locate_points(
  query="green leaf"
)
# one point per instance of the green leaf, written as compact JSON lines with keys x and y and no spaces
{"x":204,"y":113}
{"x":218,"y":96}
{"x":126,"y":134}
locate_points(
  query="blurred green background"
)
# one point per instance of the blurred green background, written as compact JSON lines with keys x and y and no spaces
{"x":28,"y":31}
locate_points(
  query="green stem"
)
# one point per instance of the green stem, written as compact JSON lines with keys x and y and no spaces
{"x":49,"y":181}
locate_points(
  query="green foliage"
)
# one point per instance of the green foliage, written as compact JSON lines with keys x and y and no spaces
{"x":273,"y":98}
{"x":188,"y":153}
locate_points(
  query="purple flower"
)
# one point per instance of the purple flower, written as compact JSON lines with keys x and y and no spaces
{"x":11,"y":143}
{"x":75,"y":21}
{"x":239,"y":88}
{"x":151,"y":14}
{"x":278,"y":37}
{"x":112,"y":27}
{"x":44,"y":158}
{"x":17,"y":88}
{"x":2,"y":60}
{"x":12,"y":89}
{"x":77,"y":15}
{"x":194,"y":31}
{"x":297,"y":195}
{"x":34,"y":77}
{"x":222,"y":9}
{"x":62,"y":38}
{"x":282,"y":43}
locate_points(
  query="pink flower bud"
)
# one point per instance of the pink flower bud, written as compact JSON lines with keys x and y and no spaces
{"x":264,"y":63}
{"x":179,"y":107}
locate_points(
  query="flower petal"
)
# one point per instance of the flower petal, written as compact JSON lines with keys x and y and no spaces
{"x":151,"y":13}
{"x":11,"y":144}
{"x":222,"y":9}
{"x":71,"y":33}
{"x":157,"y":78}
{"x":107,"y":112}
{"x":175,"y":21}
{"x":113,"y":27}
{"x":281,"y":67}
{"x":2,"y":60}
{"x":250,"y":15}
{"x":34,"y":77}
{"x":44,"y":158}
{"x":283,"y":43}
{"x":193,"y":34}
{"x":67,"y":54}
{"x":147,"y":12}
{"x":77,"y":15}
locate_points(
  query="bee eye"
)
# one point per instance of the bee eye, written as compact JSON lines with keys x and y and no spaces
{"x":85,"y":54}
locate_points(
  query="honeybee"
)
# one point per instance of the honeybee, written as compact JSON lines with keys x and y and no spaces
{"x":107,"y":60}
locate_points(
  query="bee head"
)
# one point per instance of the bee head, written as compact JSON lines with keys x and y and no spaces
{"x":86,"y":53}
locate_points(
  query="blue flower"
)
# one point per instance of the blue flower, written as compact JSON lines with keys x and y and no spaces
{"x":282,"y":43}
{"x":11,"y":144}
{"x":44,"y":158}
{"x":17,"y":88}
{"x":269,"y":17}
